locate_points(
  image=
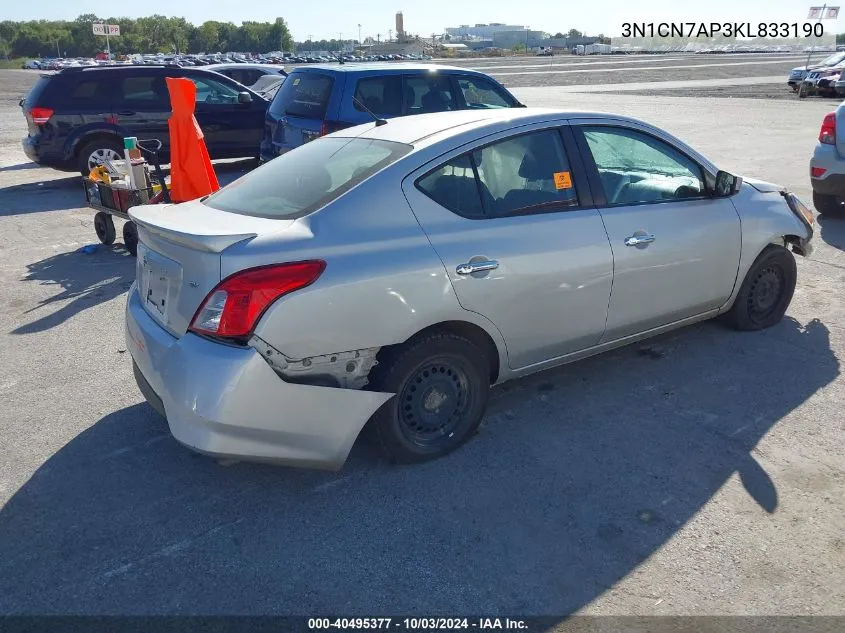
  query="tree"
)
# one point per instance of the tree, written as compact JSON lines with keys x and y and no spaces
{"x":840,"y":38}
{"x":559,"y":35}
{"x":574,"y":33}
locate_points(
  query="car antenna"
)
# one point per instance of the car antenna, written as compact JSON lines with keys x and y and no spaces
{"x":378,"y":121}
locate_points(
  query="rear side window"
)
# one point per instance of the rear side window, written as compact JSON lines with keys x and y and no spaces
{"x":381,"y":95}
{"x":35,"y":96}
{"x":520,"y":175}
{"x":304,"y":95}
{"x":144,"y":90}
{"x":296,"y":183}
{"x":526,"y":173}
{"x":454,"y":186}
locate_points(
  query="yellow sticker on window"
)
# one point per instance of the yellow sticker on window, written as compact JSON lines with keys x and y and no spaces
{"x":563,"y":180}
{"x":296,"y":81}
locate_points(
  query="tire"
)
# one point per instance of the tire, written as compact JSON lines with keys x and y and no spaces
{"x":827,"y":204}
{"x":130,"y":237}
{"x":442,"y":384}
{"x":766,"y":291}
{"x":104,"y":226}
{"x":103,"y":147}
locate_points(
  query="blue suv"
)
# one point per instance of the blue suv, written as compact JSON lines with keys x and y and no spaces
{"x":318,"y":100}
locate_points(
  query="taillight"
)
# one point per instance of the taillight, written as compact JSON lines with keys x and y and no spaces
{"x":828,"y":132}
{"x":234,"y":306}
{"x":40,"y":116}
{"x":817,"y":172}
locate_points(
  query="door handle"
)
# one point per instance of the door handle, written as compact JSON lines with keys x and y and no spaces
{"x":126,"y":112}
{"x":476,"y":267}
{"x":636,"y":240}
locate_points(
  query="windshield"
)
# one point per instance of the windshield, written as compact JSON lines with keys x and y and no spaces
{"x":833,"y":59}
{"x":306,"y":178}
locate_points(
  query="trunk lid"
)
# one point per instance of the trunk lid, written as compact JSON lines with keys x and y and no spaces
{"x":179,"y":255}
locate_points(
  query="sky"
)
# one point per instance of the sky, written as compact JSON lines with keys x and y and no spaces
{"x":329,"y":18}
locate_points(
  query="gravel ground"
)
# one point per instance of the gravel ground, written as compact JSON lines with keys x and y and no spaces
{"x":701,"y":473}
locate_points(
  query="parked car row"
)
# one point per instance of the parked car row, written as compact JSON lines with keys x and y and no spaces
{"x":78,"y":117}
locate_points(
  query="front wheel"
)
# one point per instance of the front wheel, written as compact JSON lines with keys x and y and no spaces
{"x":766,"y":291}
{"x":442,"y":383}
{"x":130,"y":237}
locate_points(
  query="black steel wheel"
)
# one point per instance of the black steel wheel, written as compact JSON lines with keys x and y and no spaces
{"x":442,"y":383}
{"x":766,"y":292}
{"x":130,"y":237}
{"x":104,"y":226}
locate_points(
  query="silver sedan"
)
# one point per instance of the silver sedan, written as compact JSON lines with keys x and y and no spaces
{"x":389,"y":274}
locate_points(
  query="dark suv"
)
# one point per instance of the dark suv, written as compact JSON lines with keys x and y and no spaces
{"x":79,"y":116}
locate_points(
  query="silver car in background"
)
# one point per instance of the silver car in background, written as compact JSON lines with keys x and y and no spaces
{"x":391,"y":273}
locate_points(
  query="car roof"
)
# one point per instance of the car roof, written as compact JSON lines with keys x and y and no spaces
{"x":252,"y":66}
{"x":385,"y":68}
{"x":425,"y":129}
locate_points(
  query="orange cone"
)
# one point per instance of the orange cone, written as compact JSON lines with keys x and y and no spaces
{"x":191,"y":173}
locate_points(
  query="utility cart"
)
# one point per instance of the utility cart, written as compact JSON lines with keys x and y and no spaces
{"x":110,"y":192}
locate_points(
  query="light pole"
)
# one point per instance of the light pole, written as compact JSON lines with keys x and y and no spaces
{"x":359,"y":35}
{"x":389,"y":35}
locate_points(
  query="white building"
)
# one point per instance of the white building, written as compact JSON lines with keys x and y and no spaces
{"x":481,"y":31}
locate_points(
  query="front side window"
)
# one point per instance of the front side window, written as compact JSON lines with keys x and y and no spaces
{"x":213,"y":91}
{"x":480,"y":93}
{"x":307,"y":178}
{"x":637,"y":168}
{"x":380,"y":95}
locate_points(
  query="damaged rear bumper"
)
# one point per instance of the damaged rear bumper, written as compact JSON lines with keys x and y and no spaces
{"x":228,"y":402}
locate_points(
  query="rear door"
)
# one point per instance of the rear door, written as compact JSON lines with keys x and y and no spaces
{"x":676,"y":249}
{"x":523,"y":245}
{"x":297,"y":112}
{"x":141,"y":105}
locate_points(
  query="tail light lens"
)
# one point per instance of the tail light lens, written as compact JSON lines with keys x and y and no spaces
{"x":828,"y":132}
{"x":233,"y":308}
{"x":817,"y":172}
{"x":331,"y":126}
{"x":40,"y":116}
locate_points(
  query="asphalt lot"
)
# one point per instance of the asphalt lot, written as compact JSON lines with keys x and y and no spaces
{"x":700,"y":473}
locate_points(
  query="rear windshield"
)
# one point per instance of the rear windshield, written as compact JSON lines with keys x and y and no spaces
{"x":309,"y":177}
{"x":36,"y":92}
{"x":303,"y":94}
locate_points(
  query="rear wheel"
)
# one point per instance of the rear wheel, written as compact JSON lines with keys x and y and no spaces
{"x":130,"y":237}
{"x":766,"y":292}
{"x":95,"y":152}
{"x":827,"y":204}
{"x":442,"y":383}
{"x":104,"y":226}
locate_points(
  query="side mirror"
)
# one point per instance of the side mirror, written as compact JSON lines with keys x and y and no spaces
{"x":726,"y":184}
{"x":244,"y":97}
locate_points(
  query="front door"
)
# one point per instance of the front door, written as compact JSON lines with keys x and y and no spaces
{"x":231,"y":129}
{"x":520,"y":241}
{"x":676,"y":250}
